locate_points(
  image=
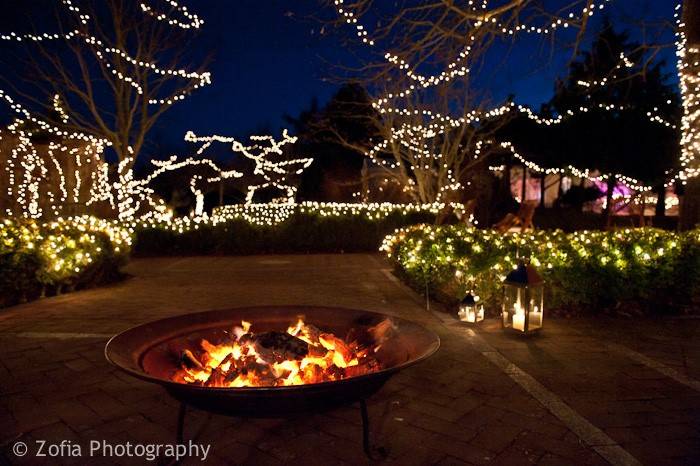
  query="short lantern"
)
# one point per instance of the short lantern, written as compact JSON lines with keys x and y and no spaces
{"x":523,"y":301}
{"x":470,"y":311}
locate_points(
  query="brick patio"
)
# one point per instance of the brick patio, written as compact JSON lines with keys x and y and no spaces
{"x":634,"y":381}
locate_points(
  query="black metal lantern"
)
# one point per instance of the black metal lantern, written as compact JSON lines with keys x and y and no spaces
{"x":470,"y":311}
{"x":523,"y":300}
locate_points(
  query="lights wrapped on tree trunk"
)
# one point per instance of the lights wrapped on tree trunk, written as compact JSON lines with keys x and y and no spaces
{"x":523,"y":300}
{"x":470,"y":311}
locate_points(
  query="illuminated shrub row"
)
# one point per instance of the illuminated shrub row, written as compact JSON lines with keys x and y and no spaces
{"x":656,"y":270}
{"x":48,"y":258}
{"x":302,"y":232}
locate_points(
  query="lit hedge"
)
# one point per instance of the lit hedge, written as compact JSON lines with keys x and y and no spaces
{"x":590,"y":270}
{"x":47,"y":258}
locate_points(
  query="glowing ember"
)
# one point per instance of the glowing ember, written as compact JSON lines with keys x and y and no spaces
{"x":301,"y":355}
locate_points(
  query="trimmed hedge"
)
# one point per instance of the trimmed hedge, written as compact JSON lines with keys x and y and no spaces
{"x":305,"y":232}
{"x":38,"y":259}
{"x":645,"y":269}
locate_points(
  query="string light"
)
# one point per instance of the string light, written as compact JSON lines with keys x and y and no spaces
{"x":275,"y":213}
{"x":362,"y":33}
{"x":26,"y":117}
{"x":128,"y":196}
{"x":28,"y":171}
{"x":275,"y":174}
{"x":65,"y":247}
{"x":630,"y":182}
{"x":135,"y":200}
{"x":482,"y":258}
{"x":193,"y":21}
{"x":58,"y":108}
{"x":414,"y":137}
{"x":689,"y":73}
{"x":102,"y":50}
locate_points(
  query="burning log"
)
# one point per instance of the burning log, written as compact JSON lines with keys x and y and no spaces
{"x":220,"y":374}
{"x":313,"y":373}
{"x":342,"y":354}
{"x":280,"y":346}
{"x":189,"y":361}
{"x":301,"y":355}
{"x":382,"y":331}
{"x":366,"y":367}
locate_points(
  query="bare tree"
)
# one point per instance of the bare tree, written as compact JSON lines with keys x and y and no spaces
{"x":115,"y":74}
{"x":437,"y":117}
{"x":437,"y":124}
{"x":428,"y":161}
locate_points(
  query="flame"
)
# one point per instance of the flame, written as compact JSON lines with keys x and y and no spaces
{"x":301,"y":355}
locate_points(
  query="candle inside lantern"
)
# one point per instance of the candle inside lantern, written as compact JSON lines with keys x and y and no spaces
{"x":468,"y":311}
{"x":536,"y":317}
{"x":519,"y":317}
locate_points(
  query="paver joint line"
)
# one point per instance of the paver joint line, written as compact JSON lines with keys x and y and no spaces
{"x":656,"y":365}
{"x":595,"y":438}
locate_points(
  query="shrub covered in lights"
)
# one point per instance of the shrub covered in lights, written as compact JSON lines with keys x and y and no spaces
{"x":586,"y":270}
{"x":47,"y":258}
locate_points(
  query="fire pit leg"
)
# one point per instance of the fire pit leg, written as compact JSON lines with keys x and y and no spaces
{"x":372,"y":452}
{"x":181,"y":423}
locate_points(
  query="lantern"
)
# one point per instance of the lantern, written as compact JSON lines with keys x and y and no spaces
{"x":469,"y":311}
{"x":523,"y":300}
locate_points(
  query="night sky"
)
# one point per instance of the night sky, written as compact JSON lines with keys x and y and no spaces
{"x":271,"y":59}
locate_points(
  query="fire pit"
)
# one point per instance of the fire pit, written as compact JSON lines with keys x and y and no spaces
{"x":271,"y":361}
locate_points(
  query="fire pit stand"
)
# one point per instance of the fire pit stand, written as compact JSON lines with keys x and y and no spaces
{"x":372,"y":452}
{"x":145,"y":352}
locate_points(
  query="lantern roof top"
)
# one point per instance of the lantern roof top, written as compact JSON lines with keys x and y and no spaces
{"x":524,"y":275}
{"x":469,"y":300}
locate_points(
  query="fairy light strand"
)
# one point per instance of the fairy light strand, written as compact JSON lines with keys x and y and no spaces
{"x":193,"y":21}
{"x":274,"y":174}
{"x":414,"y":137}
{"x":102,"y":51}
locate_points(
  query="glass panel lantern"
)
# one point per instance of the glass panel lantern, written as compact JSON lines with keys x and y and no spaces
{"x":470,"y":311}
{"x":523,"y":301}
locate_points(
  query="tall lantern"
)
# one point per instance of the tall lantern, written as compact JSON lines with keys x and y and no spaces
{"x":470,"y":311}
{"x":523,"y":301}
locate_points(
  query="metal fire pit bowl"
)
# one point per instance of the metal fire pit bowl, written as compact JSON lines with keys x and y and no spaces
{"x":144,"y":352}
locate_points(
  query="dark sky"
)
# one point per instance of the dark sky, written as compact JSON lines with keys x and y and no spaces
{"x":271,"y":60}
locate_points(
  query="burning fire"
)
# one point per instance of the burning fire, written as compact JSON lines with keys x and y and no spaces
{"x":301,"y":355}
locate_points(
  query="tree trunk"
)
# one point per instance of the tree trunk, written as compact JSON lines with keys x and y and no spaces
{"x":690,"y":201}
{"x":507,"y":180}
{"x":609,"y":207}
{"x":543,"y":189}
{"x":560,"y":191}
{"x":660,"y":202}
{"x":221,"y":192}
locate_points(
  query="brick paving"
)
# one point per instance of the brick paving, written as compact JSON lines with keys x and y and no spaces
{"x":456,"y":408}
